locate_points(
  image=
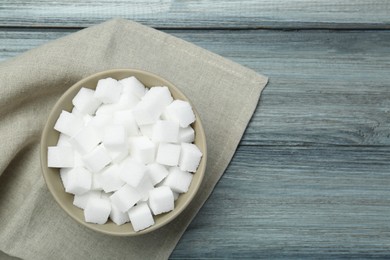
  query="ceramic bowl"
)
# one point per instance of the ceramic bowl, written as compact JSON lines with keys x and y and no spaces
{"x":50,"y":138}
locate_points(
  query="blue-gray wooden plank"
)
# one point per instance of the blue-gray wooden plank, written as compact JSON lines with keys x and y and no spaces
{"x":326,"y":87}
{"x":203,"y":14}
{"x":311,"y":176}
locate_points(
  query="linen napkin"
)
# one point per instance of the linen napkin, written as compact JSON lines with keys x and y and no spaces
{"x":32,"y":225}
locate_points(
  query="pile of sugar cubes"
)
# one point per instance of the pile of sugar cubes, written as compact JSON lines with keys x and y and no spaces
{"x":126,"y":152}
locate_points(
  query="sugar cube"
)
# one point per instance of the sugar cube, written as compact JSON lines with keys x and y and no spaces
{"x":117,"y":216}
{"x":128,"y":100}
{"x":77,"y":113}
{"x":97,"y":159}
{"x":108,"y":90}
{"x":156,"y":172}
{"x":78,"y":160}
{"x":107,"y":109}
{"x":186,"y":134}
{"x":68,"y":123}
{"x":190,"y":157}
{"x":87,"y":118}
{"x":99,"y":122}
{"x":168,"y":154}
{"x":81,"y":200}
{"x":97,"y":210}
{"x":115,"y":137}
{"x":147,"y":130}
{"x":118,"y":154}
{"x":63,"y":140}
{"x":125,"y":198}
{"x":144,"y":187}
{"x":175,"y":195}
{"x":97,"y":183}
{"x":146,"y":113}
{"x":178,"y":180}
{"x":165,"y":131}
{"x":132,"y":172}
{"x":79,"y":181}
{"x":85,"y":101}
{"x":64,"y":172}
{"x":161,"y":200}
{"x":127,"y":120}
{"x":134,"y":86}
{"x":149,"y":109}
{"x":110,"y":179}
{"x":159,"y":95}
{"x":142,"y":149}
{"x":140,"y":216}
{"x":85,"y":140}
{"x":60,"y":156}
{"x":181,"y":111}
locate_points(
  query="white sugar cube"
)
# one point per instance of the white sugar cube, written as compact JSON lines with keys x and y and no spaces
{"x":128,"y":100}
{"x":159,"y":95}
{"x":181,"y":112}
{"x":110,"y":179}
{"x":146,"y":113}
{"x":144,"y":187}
{"x":63,"y":140}
{"x":117,"y":216}
{"x":68,"y":123}
{"x":81,"y":201}
{"x":149,"y":109}
{"x":134,"y":86}
{"x":60,"y":156}
{"x":118,"y":154}
{"x":190,"y":157}
{"x":97,"y":183}
{"x":127,"y":120}
{"x":147,"y":130}
{"x":85,"y":101}
{"x":78,"y":160}
{"x":64,"y":172}
{"x":79,"y":181}
{"x":77,"y":113}
{"x":97,"y":159}
{"x":175,"y":195}
{"x":142,"y":149}
{"x":168,"y":154}
{"x":165,"y":131}
{"x":108,"y":90}
{"x":125,"y":198}
{"x":140,"y":216}
{"x":161,"y":200}
{"x":85,"y":140}
{"x":97,"y":210}
{"x":99,"y":122}
{"x":115,"y":137}
{"x":186,"y":134}
{"x":178,"y":180}
{"x":107,"y":109}
{"x":132,"y":172}
{"x":156,"y":172}
{"x":87,"y":118}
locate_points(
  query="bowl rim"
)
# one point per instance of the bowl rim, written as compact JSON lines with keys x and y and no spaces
{"x":47,"y":128}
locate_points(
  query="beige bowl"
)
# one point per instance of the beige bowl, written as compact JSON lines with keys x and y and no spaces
{"x":50,"y":137}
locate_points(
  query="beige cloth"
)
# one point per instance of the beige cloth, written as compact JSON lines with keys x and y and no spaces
{"x":32,"y":225}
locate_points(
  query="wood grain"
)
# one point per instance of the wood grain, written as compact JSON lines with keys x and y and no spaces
{"x":296,"y":202}
{"x":311,"y":176}
{"x":320,"y":91}
{"x":200,"y":14}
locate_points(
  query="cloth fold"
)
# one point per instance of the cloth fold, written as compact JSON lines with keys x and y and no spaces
{"x":32,"y":225}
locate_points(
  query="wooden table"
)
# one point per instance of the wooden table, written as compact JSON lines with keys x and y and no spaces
{"x":311,"y":177}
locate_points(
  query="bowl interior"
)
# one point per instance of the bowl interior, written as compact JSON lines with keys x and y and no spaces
{"x":50,"y":138}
